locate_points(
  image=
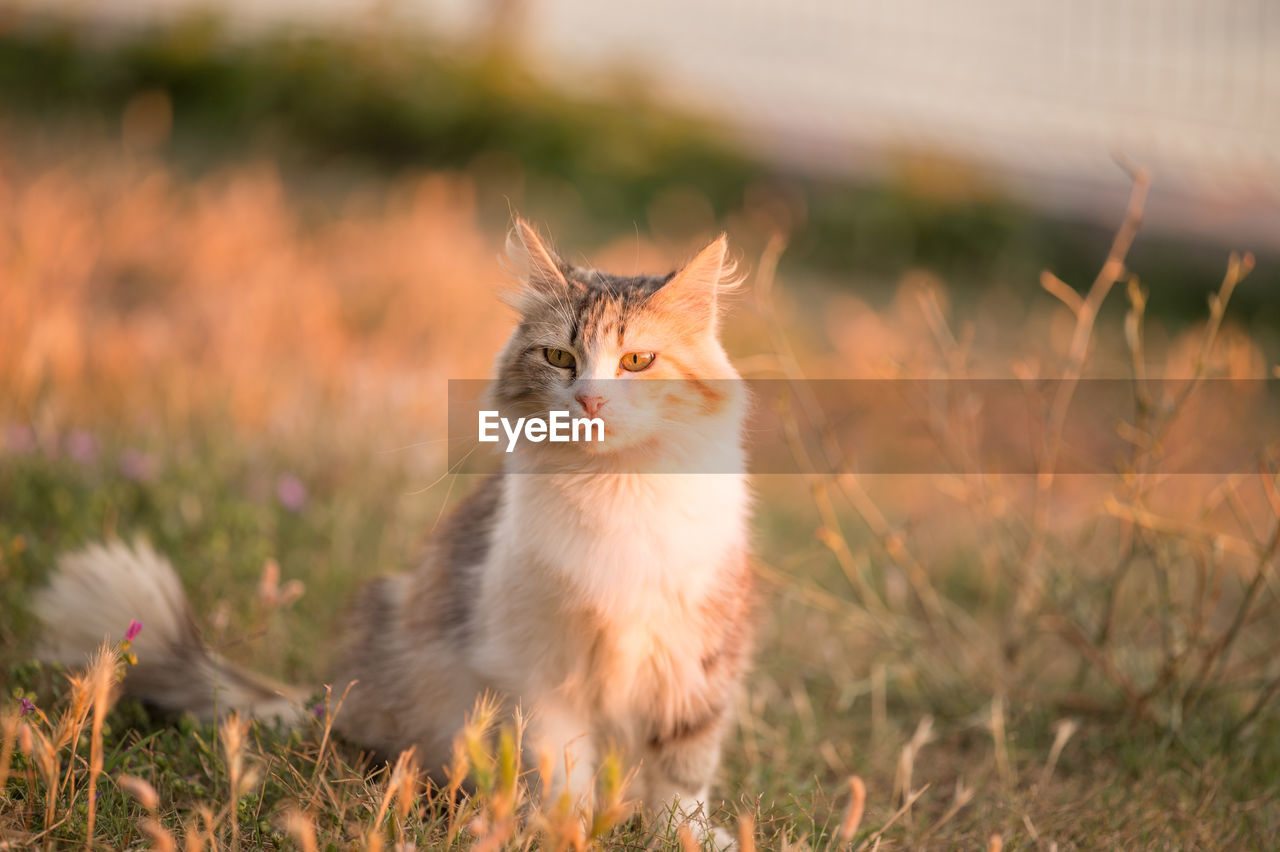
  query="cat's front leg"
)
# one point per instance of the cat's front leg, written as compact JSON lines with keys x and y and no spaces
{"x":678,"y":770}
{"x":562,"y":734}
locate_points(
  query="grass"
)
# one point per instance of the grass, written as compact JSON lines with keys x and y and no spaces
{"x":824,"y":702}
{"x":1083,"y":662}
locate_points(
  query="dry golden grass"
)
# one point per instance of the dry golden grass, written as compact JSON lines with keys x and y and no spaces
{"x":132,"y":296}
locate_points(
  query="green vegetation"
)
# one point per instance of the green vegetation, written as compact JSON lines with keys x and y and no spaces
{"x":823,"y":703}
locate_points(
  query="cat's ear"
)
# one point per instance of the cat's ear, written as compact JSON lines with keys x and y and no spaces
{"x":536,"y":264}
{"x":694,"y":291}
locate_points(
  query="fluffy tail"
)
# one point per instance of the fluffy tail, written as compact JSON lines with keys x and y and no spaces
{"x":98,"y":591}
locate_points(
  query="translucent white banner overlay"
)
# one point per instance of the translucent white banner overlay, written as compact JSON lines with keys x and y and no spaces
{"x":944,"y":426}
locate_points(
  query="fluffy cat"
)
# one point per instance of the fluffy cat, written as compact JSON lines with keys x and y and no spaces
{"x":604,"y":587}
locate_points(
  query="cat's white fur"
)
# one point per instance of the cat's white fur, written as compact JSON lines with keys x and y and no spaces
{"x":639,"y":551}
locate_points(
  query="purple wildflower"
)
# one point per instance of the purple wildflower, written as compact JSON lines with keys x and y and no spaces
{"x":319,"y":710}
{"x":135,"y":627}
{"x":137,"y":465}
{"x":28,"y":706}
{"x":82,"y":446}
{"x":291,"y":491}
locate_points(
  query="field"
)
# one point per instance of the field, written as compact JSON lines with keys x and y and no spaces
{"x":247,"y":368}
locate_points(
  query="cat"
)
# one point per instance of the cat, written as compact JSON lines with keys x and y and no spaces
{"x":605,"y":587}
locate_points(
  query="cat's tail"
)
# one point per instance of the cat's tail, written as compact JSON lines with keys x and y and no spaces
{"x":95,"y":595}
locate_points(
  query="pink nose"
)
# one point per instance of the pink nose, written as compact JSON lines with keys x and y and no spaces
{"x":590,"y":404}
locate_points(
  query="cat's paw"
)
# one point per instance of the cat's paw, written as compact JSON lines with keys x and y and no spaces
{"x":721,"y":840}
{"x":698,"y":833}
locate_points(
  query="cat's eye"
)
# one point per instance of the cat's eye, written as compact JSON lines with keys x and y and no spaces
{"x":634,"y":362}
{"x":558,"y":357}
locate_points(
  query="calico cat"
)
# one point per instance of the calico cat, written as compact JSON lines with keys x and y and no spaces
{"x":604,"y":587}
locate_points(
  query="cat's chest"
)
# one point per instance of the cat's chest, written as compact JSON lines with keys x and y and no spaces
{"x":643,"y":676}
{"x":630,"y":547}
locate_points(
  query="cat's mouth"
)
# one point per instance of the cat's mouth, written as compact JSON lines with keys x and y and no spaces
{"x":617,"y":435}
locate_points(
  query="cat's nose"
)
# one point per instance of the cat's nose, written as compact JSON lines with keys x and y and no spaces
{"x":591,"y":403}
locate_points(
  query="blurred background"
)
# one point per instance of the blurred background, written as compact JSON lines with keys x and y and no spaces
{"x":978,"y":144}
{"x":244,"y":246}
{"x":312,"y":154}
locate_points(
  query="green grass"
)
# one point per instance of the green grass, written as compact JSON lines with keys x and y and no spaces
{"x":809,"y":711}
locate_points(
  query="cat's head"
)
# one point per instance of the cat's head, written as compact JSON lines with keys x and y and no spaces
{"x":642,"y":353}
